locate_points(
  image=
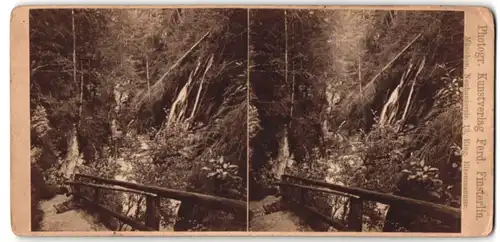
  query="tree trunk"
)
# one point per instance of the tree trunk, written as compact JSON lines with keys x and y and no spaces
{"x":147,"y":75}
{"x":81,"y":97}
{"x":359,"y":75}
{"x":74,"y":43}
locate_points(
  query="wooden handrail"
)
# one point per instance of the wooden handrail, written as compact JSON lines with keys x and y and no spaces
{"x":153,"y":194}
{"x":119,"y":189}
{"x":324,"y":190}
{"x":221,"y":203}
{"x":428,"y":208}
{"x":133,"y":223}
{"x":333,"y":222}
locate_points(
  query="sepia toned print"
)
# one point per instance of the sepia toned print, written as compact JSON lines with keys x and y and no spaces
{"x":360,"y":117}
{"x":138,"y":119}
{"x":213,"y":120}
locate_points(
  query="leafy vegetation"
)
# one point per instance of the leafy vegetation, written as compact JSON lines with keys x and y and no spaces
{"x":145,"y":95}
{"x":160,"y":96}
{"x":370,"y":99}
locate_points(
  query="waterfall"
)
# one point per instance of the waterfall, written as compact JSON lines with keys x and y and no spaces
{"x":180,"y":105}
{"x":391,"y":106}
{"x":73,"y":157}
{"x":285,"y":159}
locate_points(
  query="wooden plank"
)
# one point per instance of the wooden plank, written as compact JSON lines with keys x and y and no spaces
{"x":431,"y":209}
{"x":133,"y":223}
{"x":65,"y":206}
{"x":220,"y":203}
{"x":152,"y":206}
{"x":334,"y":223}
{"x":120,"y":189}
{"x":355,"y":217}
{"x":310,"y":188}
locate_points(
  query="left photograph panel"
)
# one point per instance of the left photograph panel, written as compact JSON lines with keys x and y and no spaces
{"x":138,"y":119}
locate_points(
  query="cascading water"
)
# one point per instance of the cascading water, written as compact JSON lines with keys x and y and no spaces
{"x":73,"y":157}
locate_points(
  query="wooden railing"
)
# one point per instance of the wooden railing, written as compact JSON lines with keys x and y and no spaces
{"x":153,"y":195}
{"x":296,"y":190}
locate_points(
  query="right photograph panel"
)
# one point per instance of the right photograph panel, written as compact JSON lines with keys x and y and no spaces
{"x":355,"y":120}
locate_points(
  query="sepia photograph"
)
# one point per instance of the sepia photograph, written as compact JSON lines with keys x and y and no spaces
{"x":355,"y":121}
{"x":252,"y":121}
{"x":138,"y":119}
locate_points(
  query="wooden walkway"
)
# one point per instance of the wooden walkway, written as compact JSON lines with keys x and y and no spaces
{"x":89,"y":190}
{"x":72,"y":220}
{"x":279,"y":221}
{"x":298,"y":193}
{"x":290,"y":210}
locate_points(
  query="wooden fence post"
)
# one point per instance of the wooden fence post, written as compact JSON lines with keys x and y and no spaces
{"x":241,"y":217}
{"x":152,"y":206}
{"x":302,"y":198}
{"x":355,"y":217}
{"x":76,"y":190}
{"x":96,"y":195}
{"x":284,"y":191}
{"x":297,"y":195}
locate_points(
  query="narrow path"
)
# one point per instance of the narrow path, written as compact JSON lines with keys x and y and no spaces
{"x":280,"y":221}
{"x":72,"y":220}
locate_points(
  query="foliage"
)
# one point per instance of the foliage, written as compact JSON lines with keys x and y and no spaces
{"x":422,"y":179}
{"x":373,"y":92}
{"x":107,"y":67}
{"x":221,"y":170}
{"x":36,"y":190}
{"x":148,"y":104}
